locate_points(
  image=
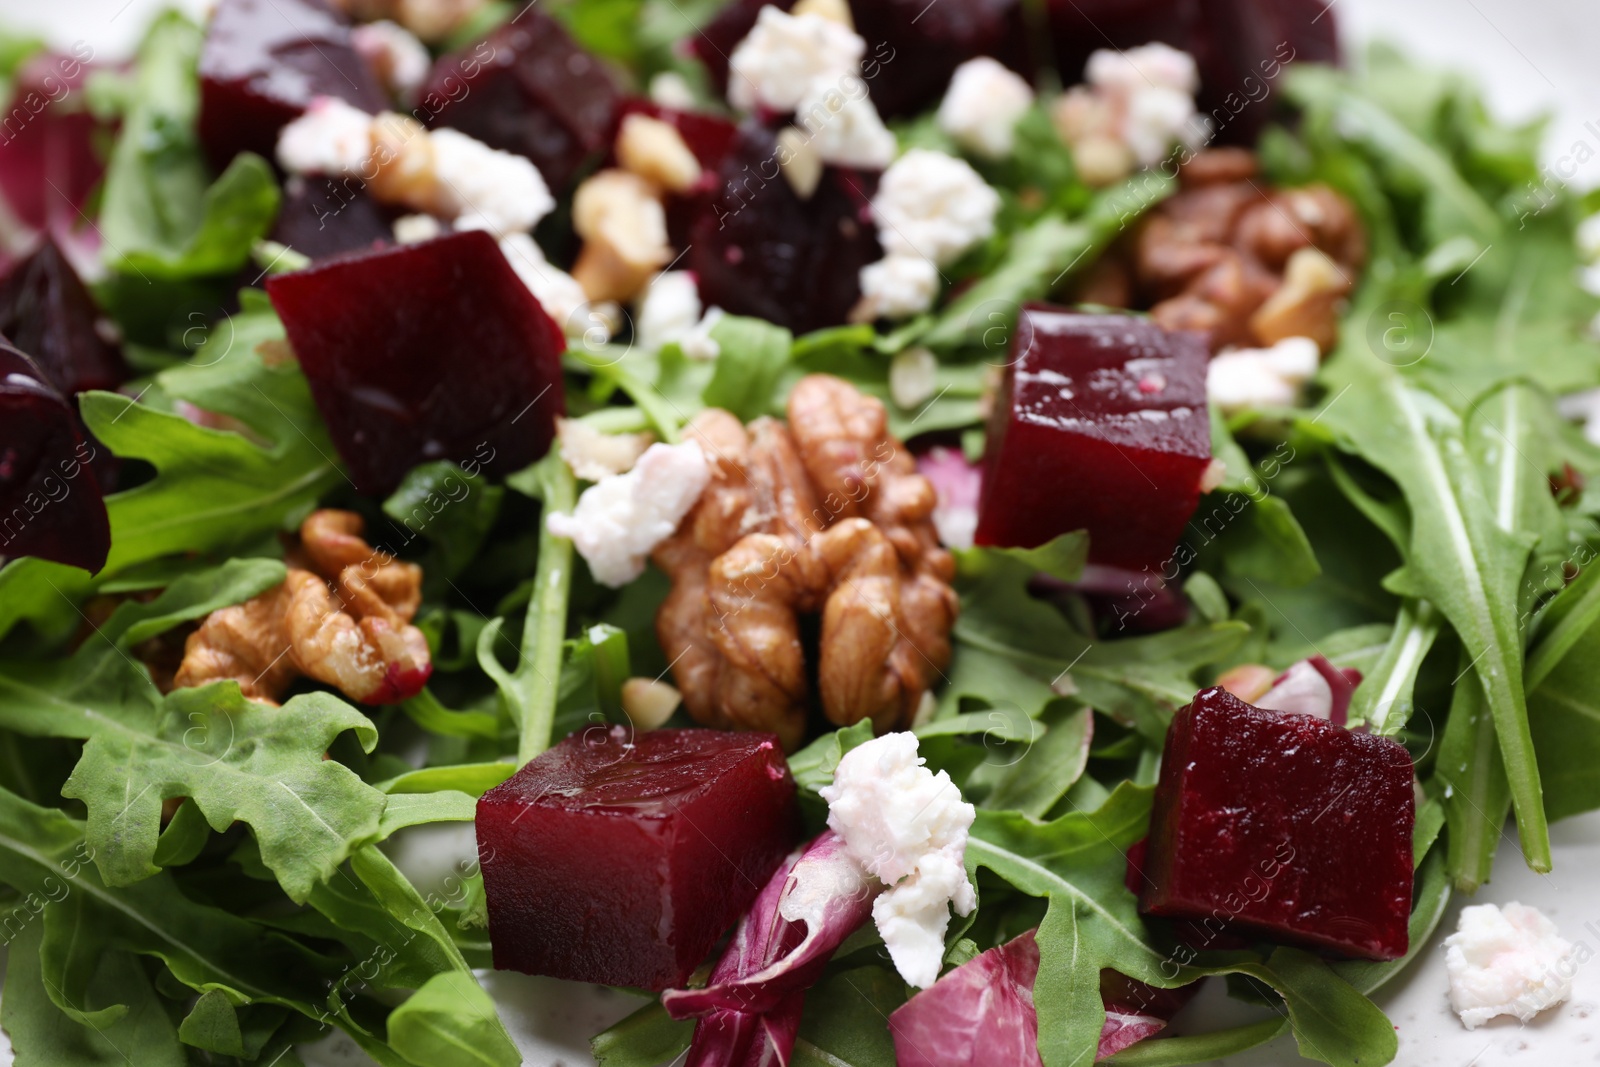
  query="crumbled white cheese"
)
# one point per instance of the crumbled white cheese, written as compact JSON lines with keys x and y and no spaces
{"x":330,"y":138}
{"x":558,"y":292}
{"x":784,"y":55}
{"x":1242,"y":379}
{"x":844,"y":126}
{"x":669,"y":309}
{"x":698,"y":342}
{"x":1151,"y":89}
{"x":671,"y":89}
{"x":1506,"y":961}
{"x":410,"y":229}
{"x":490,"y":189}
{"x":933,"y":205}
{"x":981,"y":108}
{"x":594,"y":455}
{"x":898,"y":286}
{"x":907,"y":827}
{"x":401,"y":61}
{"x":619,"y":520}
{"x":913,"y":377}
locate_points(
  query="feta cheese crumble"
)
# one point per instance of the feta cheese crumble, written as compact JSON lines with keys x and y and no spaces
{"x":776,"y":65}
{"x":558,"y":292}
{"x":1242,"y":379}
{"x":620,"y":519}
{"x":490,"y":189}
{"x":844,"y":127}
{"x":907,"y":827}
{"x":1135,"y":106}
{"x":897,"y":287}
{"x":933,"y":205}
{"x":982,"y":105}
{"x":1506,"y":961}
{"x":594,"y":455}
{"x":669,"y":309}
{"x":331,"y":138}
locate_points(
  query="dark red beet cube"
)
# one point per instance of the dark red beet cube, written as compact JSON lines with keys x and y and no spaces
{"x":757,"y":249}
{"x":1282,"y":825}
{"x":323,"y":217}
{"x":621,"y":859}
{"x":264,"y":61}
{"x":1101,"y":425}
{"x":912,"y":46}
{"x":50,"y":503}
{"x":48,"y":313}
{"x":424,"y":352}
{"x":527,"y":88}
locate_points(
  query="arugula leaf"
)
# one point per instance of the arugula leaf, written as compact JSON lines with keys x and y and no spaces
{"x":454,"y":510}
{"x":451,"y":1020}
{"x":531,"y":692}
{"x":1460,"y":558}
{"x":845,"y":1019}
{"x":646,"y":1038}
{"x":754,"y":353}
{"x":41,"y":1032}
{"x":813,"y":766}
{"x":1048,"y":767}
{"x":474,"y":779}
{"x":1564,"y":710}
{"x":1198,"y":1048}
{"x":1076,"y":862}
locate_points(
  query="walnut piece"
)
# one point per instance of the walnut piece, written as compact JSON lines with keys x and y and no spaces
{"x":823,"y":516}
{"x":341,"y":616}
{"x":1247,"y":263}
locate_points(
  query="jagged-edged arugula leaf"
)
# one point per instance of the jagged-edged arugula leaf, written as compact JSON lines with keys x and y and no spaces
{"x":235,"y":759}
{"x":451,"y":1020}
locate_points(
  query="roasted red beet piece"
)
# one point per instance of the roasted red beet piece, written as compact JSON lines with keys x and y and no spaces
{"x":757,"y":249}
{"x":50,"y":503}
{"x":1282,"y":825}
{"x":422,"y":352}
{"x":621,"y":859}
{"x":323,"y":217}
{"x":527,"y":88}
{"x":264,"y":61}
{"x":912,"y":47}
{"x":47,"y":312}
{"x":50,"y":162}
{"x":1101,"y":425}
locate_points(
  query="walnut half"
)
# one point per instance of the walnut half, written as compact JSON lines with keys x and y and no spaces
{"x":822,"y":516}
{"x":342,"y":616}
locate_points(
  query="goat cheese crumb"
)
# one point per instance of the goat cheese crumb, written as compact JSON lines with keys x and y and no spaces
{"x":669,"y":309}
{"x":933,"y":205}
{"x":401,"y":61}
{"x":620,"y":519}
{"x":844,"y":126}
{"x":594,"y":455}
{"x":558,"y":292}
{"x":1245,"y":378}
{"x":982,"y":105}
{"x":907,"y":827}
{"x":1151,"y":90}
{"x":490,"y":189}
{"x":1506,"y":961}
{"x":775,"y":66}
{"x":330,"y":138}
{"x":898,"y":286}
{"x":671,"y":89}
{"x":410,"y":229}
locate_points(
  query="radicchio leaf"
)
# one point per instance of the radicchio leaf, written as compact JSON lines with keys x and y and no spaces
{"x":982,"y":1014}
{"x":749,"y":1012}
{"x":1313,"y":687}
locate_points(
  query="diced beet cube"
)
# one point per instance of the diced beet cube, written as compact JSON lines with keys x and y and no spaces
{"x":527,"y":88}
{"x":1101,"y":425}
{"x":264,"y":61}
{"x":51,"y":165}
{"x":757,"y":249}
{"x":324,"y":217}
{"x":912,"y":46}
{"x":48,"y":313}
{"x":621,"y":859}
{"x":1282,"y":825}
{"x":50,"y":503}
{"x":423,"y":352}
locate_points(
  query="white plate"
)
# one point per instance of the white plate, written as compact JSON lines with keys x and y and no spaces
{"x":1532,"y":56}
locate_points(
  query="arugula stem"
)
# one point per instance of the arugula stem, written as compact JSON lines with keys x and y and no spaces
{"x":538,"y":675}
{"x":1479,"y":794}
{"x":1384,"y":697}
